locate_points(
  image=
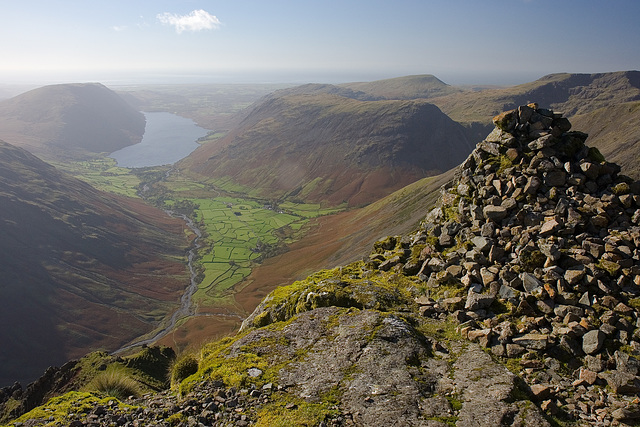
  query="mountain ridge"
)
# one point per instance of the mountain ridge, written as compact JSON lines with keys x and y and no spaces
{"x":515,"y":302}
{"x":570,"y":93}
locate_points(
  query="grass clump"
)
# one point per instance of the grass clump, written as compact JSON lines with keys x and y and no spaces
{"x":532,"y":259}
{"x":610,"y":267}
{"x":441,"y":330}
{"x":217,"y":363}
{"x":115,"y":382}
{"x":183,"y":367}
{"x":340,"y":287}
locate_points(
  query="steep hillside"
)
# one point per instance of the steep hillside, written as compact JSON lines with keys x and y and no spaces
{"x":515,"y":302}
{"x":570,"y":93}
{"x":63,"y":121}
{"x":408,"y":87}
{"x":615,"y":131}
{"x":79,"y":269}
{"x":329,"y":148}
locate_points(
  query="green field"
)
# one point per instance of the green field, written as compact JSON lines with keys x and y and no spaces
{"x":238,"y":230}
{"x":103,"y":174}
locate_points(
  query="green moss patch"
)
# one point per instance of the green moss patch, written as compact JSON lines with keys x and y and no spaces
{"x":287,"y":410}
{"x":348,"y":286}
{"x":59,"y":410}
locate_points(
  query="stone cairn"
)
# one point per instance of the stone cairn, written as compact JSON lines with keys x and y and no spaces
{"x":534,"y":248}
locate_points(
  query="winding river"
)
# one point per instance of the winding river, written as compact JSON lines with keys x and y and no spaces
{"x":186,"y":307}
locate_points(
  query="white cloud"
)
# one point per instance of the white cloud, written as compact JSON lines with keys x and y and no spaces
{"x":119,"y":28}
{"x":197,"y":20}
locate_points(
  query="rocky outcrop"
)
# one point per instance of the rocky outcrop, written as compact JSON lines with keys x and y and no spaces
{"x":534,"y":249}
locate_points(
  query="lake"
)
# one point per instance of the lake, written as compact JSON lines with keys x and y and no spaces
{"x":167,"y":138}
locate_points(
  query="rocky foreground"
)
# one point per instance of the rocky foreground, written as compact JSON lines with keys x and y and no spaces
{"x":515,"y":303}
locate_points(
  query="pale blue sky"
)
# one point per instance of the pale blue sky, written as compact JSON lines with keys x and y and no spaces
{"x":459,"y":41}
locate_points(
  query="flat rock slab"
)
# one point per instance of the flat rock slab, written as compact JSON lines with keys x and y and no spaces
{"x":486,"y":390}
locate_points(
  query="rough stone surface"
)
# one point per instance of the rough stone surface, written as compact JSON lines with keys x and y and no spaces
{"x":592,"y":341}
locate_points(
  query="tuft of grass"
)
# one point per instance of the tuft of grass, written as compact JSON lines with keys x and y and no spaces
{"x":183,"y":367}
{"x":115,"y":382}
{"x":532,"y":259}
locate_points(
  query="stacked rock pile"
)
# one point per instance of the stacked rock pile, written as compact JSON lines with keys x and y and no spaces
{"x":534,"y":249}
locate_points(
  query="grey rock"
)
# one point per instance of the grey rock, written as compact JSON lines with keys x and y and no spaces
{"x":532,"y":185}
{"x":477,"y":301}
{"x":481,"y":243}
{"x":629,"y":412}
{"x":530,"y":282}
{"x":254,"y":372}
{"x":574,"y":275}
{"x":622,"y":382}
{"x":494,"y":213}
{"x":533,"y":341}
{"x":486,"y":390}
{"x":507,"y":292}
{"x":555,"y":178}
{"x":592,"y":341}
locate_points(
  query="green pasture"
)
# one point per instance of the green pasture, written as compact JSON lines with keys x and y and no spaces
{"x":236,"y":231}
{"x":239,"y":229}
{"x":103,"y":174}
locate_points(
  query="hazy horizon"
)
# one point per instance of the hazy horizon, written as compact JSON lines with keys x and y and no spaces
{"x":283,"y":41}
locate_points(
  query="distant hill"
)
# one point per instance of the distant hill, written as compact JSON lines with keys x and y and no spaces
{"x":408,"y":87}
{"x":79,"y":269}
{"x":331,"y":148}
{"x":211,"y":106}
{"x":62,"y":121}
{"x":571,"y":94}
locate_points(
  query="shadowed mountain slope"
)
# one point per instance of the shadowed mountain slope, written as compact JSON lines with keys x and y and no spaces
{"x":325,"y":147}
{"x":62,"y":121}
{"x":79,"y":269}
